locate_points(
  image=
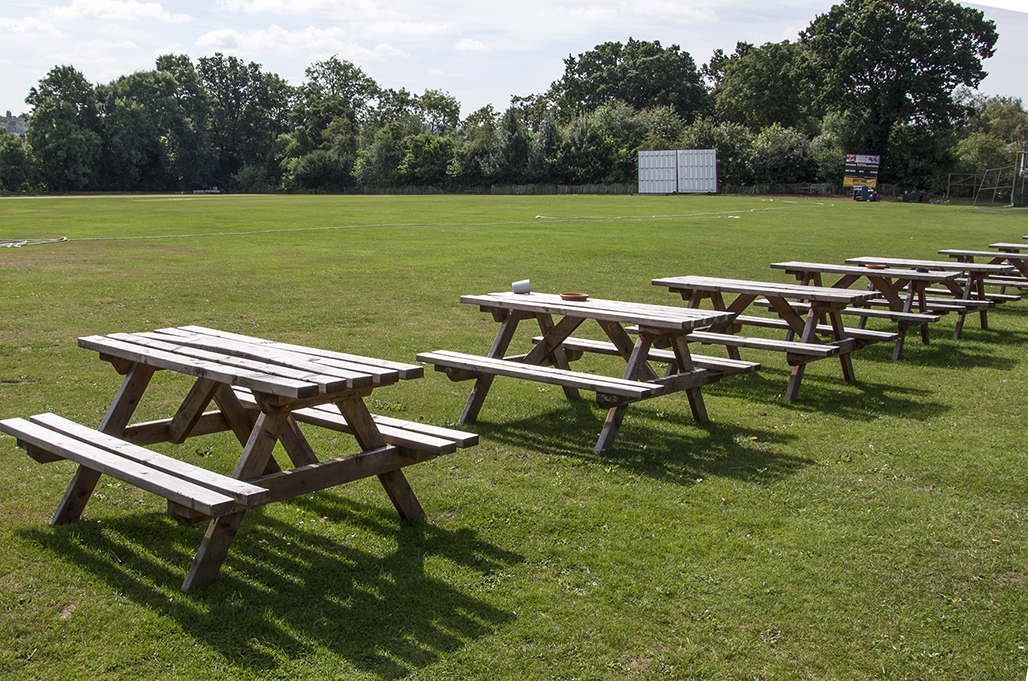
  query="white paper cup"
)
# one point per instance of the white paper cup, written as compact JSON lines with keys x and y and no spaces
{"x":521,"y":286}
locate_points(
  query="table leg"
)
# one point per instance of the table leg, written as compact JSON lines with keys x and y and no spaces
{"x":503,"y":337}
{"x":368,"y":437}
{"x":213,"y":550}
{"x":982,"y":315}
{"x":118,"y":416}
{"x":809,"y":336}
{"x":684,"y":360}
{"x":718,"y":303}
{"x":560,"y":357}
{"x":222,"y":530}
{"x":838,"y":332}
{"x":610,"y":429}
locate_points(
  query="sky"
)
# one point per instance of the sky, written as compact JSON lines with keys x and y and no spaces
{"x":478,"y":51}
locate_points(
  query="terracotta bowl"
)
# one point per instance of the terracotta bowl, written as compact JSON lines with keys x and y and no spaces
{"x":579,"y":297}
{"x":875,"y":266}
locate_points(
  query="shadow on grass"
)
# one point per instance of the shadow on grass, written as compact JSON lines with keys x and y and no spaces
{"x":832,"y":396}
{"x":286,"y":592}
{"x":650,"y":444}
{"x":975,"y":349}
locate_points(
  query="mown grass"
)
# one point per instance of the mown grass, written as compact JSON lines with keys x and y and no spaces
{"x":869,"y":530}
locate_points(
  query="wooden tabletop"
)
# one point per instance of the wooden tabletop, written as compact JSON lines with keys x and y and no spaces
{"x":957,"y":253}
{"x":1012,"y":247}
{"x":970,"y":267}
{"x":893,"y":273}
{"x":643,"y":314}
{"x":819,"y":294}
{"x":261,"y":365}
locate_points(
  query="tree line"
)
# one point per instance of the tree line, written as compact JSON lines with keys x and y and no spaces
{"x":895,"y":78}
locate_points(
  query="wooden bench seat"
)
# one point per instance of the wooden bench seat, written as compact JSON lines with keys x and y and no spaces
{"x":865,"y":336}
{"x":998,"y":281}
{"x":48,"y":437}
{"x":720,"y":364}
{"x":976,"y":303}
{"x":811,"y":350}
{"x":419,"y":437}
{"x":461,"y":366}
{"x":891,"y":315}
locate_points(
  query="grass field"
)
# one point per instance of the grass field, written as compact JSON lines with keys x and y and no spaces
{"x":868,"y":530}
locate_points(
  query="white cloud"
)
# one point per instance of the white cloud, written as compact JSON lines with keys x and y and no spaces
{"x":114,"y":10}
{"x":403,"y":28}
{"x":471,"y":45}
{"x":308,"y":41}
{"x":29,"y":26}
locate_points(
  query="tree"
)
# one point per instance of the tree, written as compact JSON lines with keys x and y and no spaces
{"x":473,"y":141}
{"x":897,"y":62}
{"x":765,"y":85}
{"x":426,"y":159}
{"x":15,"y":163}
{"x":64,"y":130}
{"x":188,"y":148}
{"x":731,"y":141}
{"x":507,"y":161}
{"x":641,"y":74}
{"x":781,"y":155}
{"x":334,"y":88}
{"x":248,"y":112}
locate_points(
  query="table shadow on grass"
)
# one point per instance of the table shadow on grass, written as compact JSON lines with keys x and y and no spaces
{"x":647,"y":446}
{"x":286,"y":592}
{"x":861,"y":400}
{"x":975,"y":349}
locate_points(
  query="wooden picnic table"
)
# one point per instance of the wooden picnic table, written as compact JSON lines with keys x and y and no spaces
{"x":1008,"y":254}
{"x":262,"y":390}
{"x":804,"y":321}
{"x":661,"y":334}
{"x":972,"y":296}
{"x":902,"y":291}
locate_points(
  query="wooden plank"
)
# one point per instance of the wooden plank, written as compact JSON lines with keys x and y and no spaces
{"x":215,"y":371}
{"x":325,"y":474}
{"x":893,"y":315}
{"x":728,"y":366}
{"x":960,"y":253}
{"x":145,"y":477}
{"x":633,"y":389}
{"x":242,"y":492}
{"x":932,"y":264}
{"x":660,"y":316}
{"x":327,"y":416}
{"x":774,"y":345}
{"x":375,"y":366}
{"x":895,"y":273}
{"x":326,"y":381}
{"x":765,"y":288}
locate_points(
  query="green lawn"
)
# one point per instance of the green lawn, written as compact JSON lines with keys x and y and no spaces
{"x":868,"y":530}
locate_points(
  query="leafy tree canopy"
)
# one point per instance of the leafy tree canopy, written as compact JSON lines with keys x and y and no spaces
{"x":641,"y":74}
{"x":898,"y":61}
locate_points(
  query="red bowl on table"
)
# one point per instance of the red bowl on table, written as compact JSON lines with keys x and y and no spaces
{"x":576,"y":297}
{"x":875,"y":266}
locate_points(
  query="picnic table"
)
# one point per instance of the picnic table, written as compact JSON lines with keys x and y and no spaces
{"x":902,"y":292}
{"x":262,"y":390}
{"x":1009,"y":254}
{"x":804,"y":320}
{"x":661,"y":335}
{"x":971,"y":298}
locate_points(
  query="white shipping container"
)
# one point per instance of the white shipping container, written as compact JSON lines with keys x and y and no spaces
{"x":697,"y":171}
{"x":658,"y":172}
{"x":682,"y":171}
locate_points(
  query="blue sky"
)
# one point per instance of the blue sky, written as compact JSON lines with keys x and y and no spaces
{"x":480,"y":52}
